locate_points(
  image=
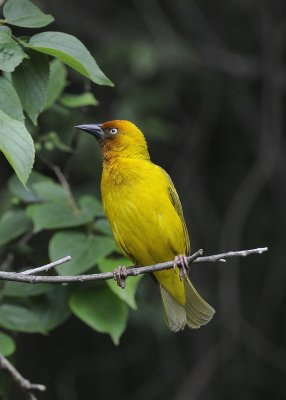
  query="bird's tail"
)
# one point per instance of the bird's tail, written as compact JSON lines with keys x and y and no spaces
{"x":198,"y":311}
{"x":195,"y":313}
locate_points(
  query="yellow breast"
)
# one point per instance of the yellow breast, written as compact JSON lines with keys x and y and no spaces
{"x":144,"y":221}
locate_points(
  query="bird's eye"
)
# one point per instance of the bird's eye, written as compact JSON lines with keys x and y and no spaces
{"x":113,"y":131}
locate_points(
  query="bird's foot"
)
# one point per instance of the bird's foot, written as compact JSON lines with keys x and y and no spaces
{"x":181,"y":262}
{"x":120,"y":275}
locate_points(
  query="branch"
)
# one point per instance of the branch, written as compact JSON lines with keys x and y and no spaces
{"x":22,"y":382}
{"x":46,"y":267}
{"x":63,"y":181}
{"x":131,"y":271}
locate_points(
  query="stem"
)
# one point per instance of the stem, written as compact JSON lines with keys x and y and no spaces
{"x":131,"y":271}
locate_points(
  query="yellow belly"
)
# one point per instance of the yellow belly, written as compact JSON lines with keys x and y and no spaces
{"x":144,"y":222}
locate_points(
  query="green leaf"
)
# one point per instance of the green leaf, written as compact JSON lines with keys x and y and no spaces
{"x":127,"y":294}
{"x":13,"y":224}
{"x":102,"y":225}
{"x":11,"y":54}
{"x":18,"y":318}
{"x":85,"y":251}
{"x":92,"y":205}
{"x":41,"y":314}
{"x":70,"y":51}
{"x":30,"y":80}
{"x":54,"y":216}
{"x":28,"y":195}
{"x":56,"y":141}
{"x":52,"y":309}
{"x":20,"y":289}
{"x":78,"y":100}
{"x":61,"y":215}
{"x":57,"y":82}
{"x":50,"y":191}
{"x":17,"y":145}
{"x":9,"y":100}
{"x":100,"y":309}
{"x":5,"y":29}
{"x":26,"y":14}
{"x":7,"y":344}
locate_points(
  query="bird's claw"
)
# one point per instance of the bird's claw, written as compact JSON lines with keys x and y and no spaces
{"x":182,"y":263}
{"x":120,"y":275}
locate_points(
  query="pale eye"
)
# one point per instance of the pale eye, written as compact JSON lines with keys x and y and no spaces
{"x":113,"y":131}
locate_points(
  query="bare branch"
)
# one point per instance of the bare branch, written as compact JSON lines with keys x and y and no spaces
{"x":46,"y":267}
{"x":63,"y":181}
{"x":131,"y":271}
{"x":22,"y":382}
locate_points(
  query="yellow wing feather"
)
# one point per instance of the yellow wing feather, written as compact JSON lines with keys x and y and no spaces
{"x":178,"y":207}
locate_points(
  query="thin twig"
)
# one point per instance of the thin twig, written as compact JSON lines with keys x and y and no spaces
{"x":221,"y":257}
{"x":131,"y":271}
{"x":22,"y":382}
{"x":46,"y":267}
{"x":63,"y":181}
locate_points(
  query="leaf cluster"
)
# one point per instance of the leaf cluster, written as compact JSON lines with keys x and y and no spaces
{"x":43,"y":213}
{"x":34,"y":76}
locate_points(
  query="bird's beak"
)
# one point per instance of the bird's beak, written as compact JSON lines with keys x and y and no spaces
{"x":93,"y":129}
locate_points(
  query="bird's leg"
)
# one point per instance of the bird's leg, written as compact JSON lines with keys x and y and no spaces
{"x":120,"y":275}
{"x":181,"y":262}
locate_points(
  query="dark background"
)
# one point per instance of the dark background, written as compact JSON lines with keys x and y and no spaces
{"x":205,"y":81}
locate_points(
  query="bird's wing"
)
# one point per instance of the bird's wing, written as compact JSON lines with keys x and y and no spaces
{"x":178,"y":207}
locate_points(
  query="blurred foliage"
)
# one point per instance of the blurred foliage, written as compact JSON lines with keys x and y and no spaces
{"x":32,"y":85}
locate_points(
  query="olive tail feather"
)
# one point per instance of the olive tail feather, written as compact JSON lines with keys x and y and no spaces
{"x":195,"y":313}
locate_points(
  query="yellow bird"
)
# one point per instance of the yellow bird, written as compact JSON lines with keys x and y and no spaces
{"x":146,"y":218}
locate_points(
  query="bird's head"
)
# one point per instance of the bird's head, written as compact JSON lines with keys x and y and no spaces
{"x":118,"y":138}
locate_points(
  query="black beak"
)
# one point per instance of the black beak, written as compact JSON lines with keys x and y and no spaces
{"x":93,"y":129}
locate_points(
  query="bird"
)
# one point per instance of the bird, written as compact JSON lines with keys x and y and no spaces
{"x":146,"y":218}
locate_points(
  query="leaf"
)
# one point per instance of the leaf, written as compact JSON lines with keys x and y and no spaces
{"x":13,"y":224}
{"x":61,"y":215}
{"x":17,"y":145}
{"x":26,"y":14}
{"x":57,"y":82}
{"x":56,"y":141}
{"x":7,"y":344}
{"x":18,"y":318}
{"x":128,"y":294}
{"x":50,"y":191}
{"x":52,"y":309}
{"x":41,"y":314}
{"x":100,"y":309}
{"x":85,"y":251}
{"x":20,"y":289}
{"x":9,"y":101}
{"x":11,"y":54}
{"x":5,"y":29}
{"x":54,"y":216}
{"x":92,"y":205}
{"x":30,"y":80}
{"x":28,"y":195}
{"x":70,"y":51}
{"x":78,"y":100}
{"x":102,"y":225}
